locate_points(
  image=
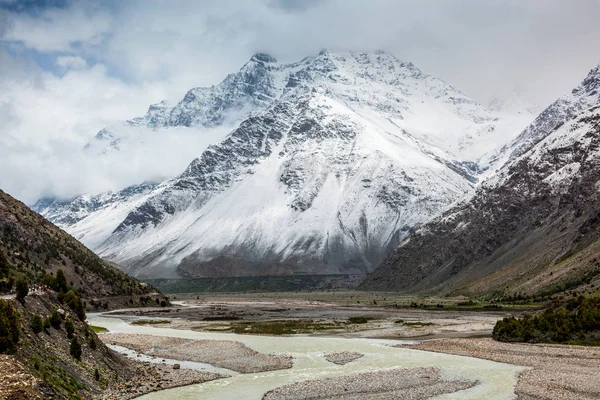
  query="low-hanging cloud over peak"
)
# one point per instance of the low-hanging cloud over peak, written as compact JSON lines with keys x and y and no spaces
{"x":69,"y":68}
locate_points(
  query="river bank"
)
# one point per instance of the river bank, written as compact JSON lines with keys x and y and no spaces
{"x":310,"y":353}
{"x":557,"y":371}
{"x":351,"y":351}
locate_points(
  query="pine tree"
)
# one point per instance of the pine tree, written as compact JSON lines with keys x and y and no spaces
{"x":75,"y":349}
{"x":22,"y":289}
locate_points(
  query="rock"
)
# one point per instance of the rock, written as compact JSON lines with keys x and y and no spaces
{"x":176,"y":366}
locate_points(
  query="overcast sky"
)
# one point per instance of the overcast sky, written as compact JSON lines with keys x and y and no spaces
{"x":69,"y":68}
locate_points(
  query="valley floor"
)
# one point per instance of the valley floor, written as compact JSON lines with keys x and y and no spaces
{"x":552,"y":371}
{"x":558,"y":371}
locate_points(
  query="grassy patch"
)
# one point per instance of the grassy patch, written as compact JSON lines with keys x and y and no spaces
{"x":279,"y":327}
{"x":98,"y":329}
{"x":417,"y":324}
{"x":47,"y":368}
{"x":150,"y":322}
{"x":359,"y":320}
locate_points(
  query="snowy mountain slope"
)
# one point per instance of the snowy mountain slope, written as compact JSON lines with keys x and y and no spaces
{"x":335,"y":160}
{"x":66,"y":213}
{"x":584,"y":96}
{"x":517,"y":234}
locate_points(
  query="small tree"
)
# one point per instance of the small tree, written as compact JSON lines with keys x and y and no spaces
{"x":73,"y":301}
{"x":93,"y":344}
{"x":70,"y":328}
{"x":48,"y":281}
{"x":9,"y":326}
{"x":97,"y":374}
{"x":4,"y":267}
{"x":22,"y":289}
{"x":55,"y":319}
{"x":60,"y":283}
{"x":37,"y":325}
{"x":75,"y":349}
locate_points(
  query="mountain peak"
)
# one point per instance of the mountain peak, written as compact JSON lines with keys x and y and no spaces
{"x":264,"y":57}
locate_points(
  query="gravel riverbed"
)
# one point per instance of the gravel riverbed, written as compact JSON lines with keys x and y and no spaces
{"x":408,"y":384}
{"x":558,"y":371}
{"x":221,"y":353}
{"x":343,"y":358}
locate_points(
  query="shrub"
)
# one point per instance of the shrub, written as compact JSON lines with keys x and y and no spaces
{"x":47,"y":323}
{"x":60,"y":283}
{"x":4,"y":266}
{"x":358,"y":320}
{"x":55,"y":319}
{"x":73,"y":301}
{"x":22,"y":289}
{"x":9,"y":327}
{"x":49,"y":281}
{"x":97,"y":374}
{"x":37,"y":325}
{"x":70,"y":328}
{"x":576,"y":321}
{"x":75,"y":349}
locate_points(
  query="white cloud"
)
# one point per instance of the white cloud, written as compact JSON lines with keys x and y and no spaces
{"x":71,"y":62}
{"x":112,"y":59}
{"x":61,"y":29}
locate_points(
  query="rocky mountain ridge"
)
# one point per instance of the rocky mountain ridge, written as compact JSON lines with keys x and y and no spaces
{"x":529,"y":230}
{"x":333,"y":161}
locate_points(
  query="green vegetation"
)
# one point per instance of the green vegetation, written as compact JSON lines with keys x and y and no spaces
{"x":4,"y":266}
{"x":264,"y":284}
{"x":575,"y":322}
{"x":55,"y":319}
{"x":75,"y":303}
{"x":22,"y":287}
{"x":417,"y":324}
{"x":32,"y":248}
{"x":359,"y":320}
{"x":75,"y":349}
{"x":6,"y":282}
{"x":98,"y":329}
{"x":59,"y":284}
{"x":69,"y":328}
{"x":9,"y":327}
{"x":150,"y":322}
{"x":63,"y":382}
{"x":280,"y":327}
{"x":37,"y":324}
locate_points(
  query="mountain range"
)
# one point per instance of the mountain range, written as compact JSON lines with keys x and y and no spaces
{"x":328,"y":165}
{"x":531,"y":229}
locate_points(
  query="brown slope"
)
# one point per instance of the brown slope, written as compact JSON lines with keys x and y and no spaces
{"x":531,"y":231}
{"x":34,"y":246}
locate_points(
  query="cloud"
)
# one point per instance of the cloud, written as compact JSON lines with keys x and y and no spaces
{"x":61,"y":29}
{"x":71,"y":62}
{"x":69,"y":68}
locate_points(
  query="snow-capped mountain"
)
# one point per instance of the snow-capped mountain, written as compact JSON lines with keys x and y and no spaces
{"x":330,"y":163}
{"x":586,"y":95}
{"x":512,"y":103}
{"x":530,"y":229}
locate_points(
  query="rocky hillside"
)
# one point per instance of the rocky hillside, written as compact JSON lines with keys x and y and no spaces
{"x":41,"y":364}
{"x":47,"y":350}
{"x":32,"y":247}
{"x":331,"y":161}
{"x":530,"y":230}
